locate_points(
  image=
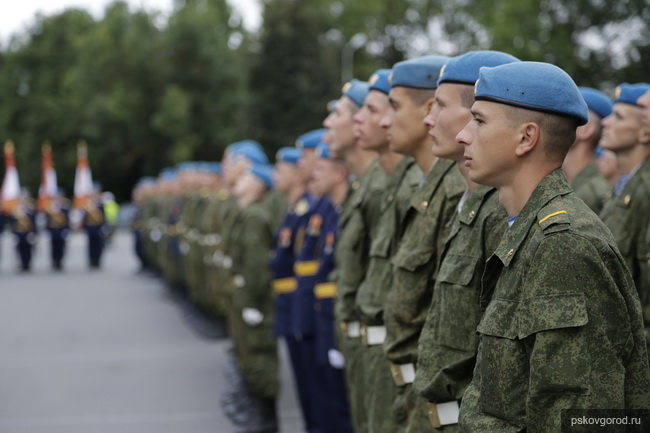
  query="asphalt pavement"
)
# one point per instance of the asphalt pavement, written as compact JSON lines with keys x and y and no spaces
{"x":108,"y":350}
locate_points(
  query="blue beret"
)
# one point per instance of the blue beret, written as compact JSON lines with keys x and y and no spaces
{"x":290,"y":155}
{"x":310,"y":140}
{"x":464,"y":69}
{"x":212,"y":167}
{"x":167,"y":173}
{"x":186,"y":166}
{"x":264,"y":173}
{"x":331,"y":105}
{"x":630,"y":93}
{"x":145,"y":180}
{"x":251,"y":150}
{"x":421,"y":73}
{"x":356,"y":90}
{"x":597,"y":101}
{"x":323,"y":150}
{"x":379,"y":81}
{"x":598,"y":152}
{"x":532,"y":85}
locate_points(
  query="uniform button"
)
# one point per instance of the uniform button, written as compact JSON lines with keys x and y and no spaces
{"x":390,"y":197}
{"x":317,"y":307}
{"x":472,"y":214}
{"x":510,"y":253}
{"x":424,"y":205}
{"x":627,"y":199}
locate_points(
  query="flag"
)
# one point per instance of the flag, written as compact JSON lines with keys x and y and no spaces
{"x":83,"y":179}
{"x":48,"y":188}
{"x":10,"y":183}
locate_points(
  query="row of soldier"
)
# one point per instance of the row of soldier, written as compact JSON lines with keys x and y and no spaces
{"x":57,"y":215}
{"x":435,"y":270}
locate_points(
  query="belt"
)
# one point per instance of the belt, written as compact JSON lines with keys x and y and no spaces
{"x":284,"y":285}
{"x":325,"y":290}
{"x":443,"y":413}
{"x":351,"y":329}
{"x":373,"y":335}
{"x":306,"y":269}
{"x":403,"y":373}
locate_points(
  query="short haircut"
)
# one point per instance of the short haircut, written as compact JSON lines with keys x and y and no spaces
{"x":466,"y":93}
{"x":557,"y":132}
{"x":420,"y":96}
{"x":596,"y":120}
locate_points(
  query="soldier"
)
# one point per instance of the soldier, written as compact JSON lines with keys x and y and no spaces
{"x":607,"y":166}
{"x":291,"y":180}
{"x":93,"y":222}
{"x":627,"y":213}
{"x":140,"y":196}
{"x":424,"y":230}
{"x":564,"y":311}
{"x":448,"y":343}
{"x":357,"y":224}
{"x":403,"y":176}
{"x":24,"y":228}
{"x":251,"y":314}
{"x":58,"y":225}
{"x":644,"y":102}
{"x":580,"y":163}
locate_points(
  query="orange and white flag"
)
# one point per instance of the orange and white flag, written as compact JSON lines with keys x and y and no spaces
{"x":48,"y":188}
{"x":11,"y":182}
{"x":83,"y":179}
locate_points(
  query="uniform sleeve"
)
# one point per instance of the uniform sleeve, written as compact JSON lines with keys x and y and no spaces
{"x":256,"y":241}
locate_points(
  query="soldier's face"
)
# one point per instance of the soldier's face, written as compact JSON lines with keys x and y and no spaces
{"x":340,"y":128}
{"x":368,"y":130}
{"x":446,"y":118}
{"x":406,"y":132}
{"x":325,"y":177}
{"x":621,"y":129}
{"x":283,"y":176}
{"x":606,"y":163}
{"x":490,"y":140}
{"x":644,"y":102}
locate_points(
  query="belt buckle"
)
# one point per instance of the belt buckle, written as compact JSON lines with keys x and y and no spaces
{"x":434,"y":419}
{"x":364,"y":335}
{"x":443,"y":413}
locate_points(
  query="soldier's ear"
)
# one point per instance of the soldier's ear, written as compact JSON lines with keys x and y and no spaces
{"x":644,"y":135}
{"x":528,"y":135}
{"x":586,"y":131}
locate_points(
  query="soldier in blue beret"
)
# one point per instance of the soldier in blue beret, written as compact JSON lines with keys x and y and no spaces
{"x":564,"y":309}
{"x":253,"y":372}
{"x":580,"y":163}
{"x":627,"y":212}
{"x":448,"y":342}
{"x":644,"y":103}
{"x":423,"y":225}
{"x":314,"y":297}
{"x":402,"y":176}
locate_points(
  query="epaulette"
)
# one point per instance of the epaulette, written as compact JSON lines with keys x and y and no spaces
{"x":553,"y":217}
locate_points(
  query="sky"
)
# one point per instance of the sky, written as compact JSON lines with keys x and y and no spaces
{"x":15,"y":16}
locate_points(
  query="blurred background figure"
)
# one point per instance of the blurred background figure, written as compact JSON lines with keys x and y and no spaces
{"x":111,"y":211}
{"x":23,"y":221}
{"x":607,"y":168}
{"x":93,"y":222}
{"x":57,"y":223}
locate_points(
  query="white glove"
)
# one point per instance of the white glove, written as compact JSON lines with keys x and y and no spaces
{"x":336,"y":358}
{"x":252,"y":316}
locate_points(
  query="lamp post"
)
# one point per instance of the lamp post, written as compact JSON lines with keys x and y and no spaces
{"x":347,"y":55}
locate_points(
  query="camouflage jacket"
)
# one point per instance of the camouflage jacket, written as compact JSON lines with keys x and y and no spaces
{"x":563,"y":327}
{"x":591,"y":187}
{"x":448,"y":343}
{"x":415,"y":263}
{"x":378,"y":280}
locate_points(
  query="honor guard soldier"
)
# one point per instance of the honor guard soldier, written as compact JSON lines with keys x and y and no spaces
{"x":403,"y":176}
{"x":314,"y":267}
{"x":255,"y":372}
{"x":57,"y":223}
{"x":140,"y":196}
{"x":24,"y":228}
{"x":425,"y":228}
{"x":448,"y":342}
{"x":357,"y":225}
{"x":93,"y":222}
{"x":580,"y":163}
{"x":291,"y":180}
{"x":627,"y":212}
{"x":562,"y":329}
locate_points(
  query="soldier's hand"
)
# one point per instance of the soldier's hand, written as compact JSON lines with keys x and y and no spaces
{"x":252,"y":316}
{"x":336,"y":358}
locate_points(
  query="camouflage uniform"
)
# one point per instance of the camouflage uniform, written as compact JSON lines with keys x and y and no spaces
{"x":563,"y":327}
{"x":448,"y":343}
{"x":591,"y":187}
{"x":426,"y":229}
{"x":358,"y":223}
{"x":628,"y":217}
{"x":189,"y":243}
{"x":380,"y":390}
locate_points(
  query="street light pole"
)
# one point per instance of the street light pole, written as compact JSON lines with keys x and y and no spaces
{"x":347,"y":55}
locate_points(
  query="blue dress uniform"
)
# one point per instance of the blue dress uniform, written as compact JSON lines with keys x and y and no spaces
{"x":24,"y":228}
{"x":58,"y":225}
{"x":336,"y":412}
{"x":283,"y":257}
{"x":93,"y":224}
